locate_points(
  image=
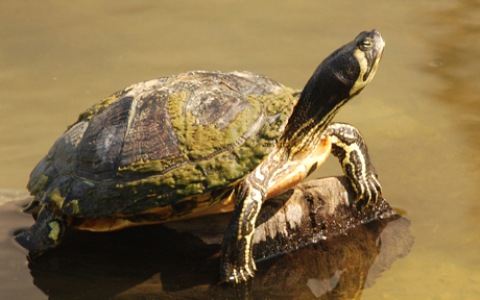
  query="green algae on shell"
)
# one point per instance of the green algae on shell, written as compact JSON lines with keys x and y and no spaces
{"x":162,"y":142}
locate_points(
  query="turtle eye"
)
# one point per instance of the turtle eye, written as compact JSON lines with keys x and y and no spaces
{"x":366,"y":44}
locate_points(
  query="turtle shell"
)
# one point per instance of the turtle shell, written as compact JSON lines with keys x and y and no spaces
{"x":173,"y":143}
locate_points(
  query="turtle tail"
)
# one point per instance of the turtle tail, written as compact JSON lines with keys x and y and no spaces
{"x":46,"y":233}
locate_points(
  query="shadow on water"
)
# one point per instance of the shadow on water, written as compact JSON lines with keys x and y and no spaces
{"x":455,"y":44}
{"x":454,"y":40}
{"x":157,"y":262}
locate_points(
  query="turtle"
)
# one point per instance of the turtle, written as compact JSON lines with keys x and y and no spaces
{"x":200,"y":143}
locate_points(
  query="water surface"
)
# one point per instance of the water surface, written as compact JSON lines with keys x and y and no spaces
{"x":420,"y":116}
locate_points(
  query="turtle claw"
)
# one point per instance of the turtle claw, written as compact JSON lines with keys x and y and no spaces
{"x":237,"y":270}
{"x":368,"y":191}
{"x":237,"y":274}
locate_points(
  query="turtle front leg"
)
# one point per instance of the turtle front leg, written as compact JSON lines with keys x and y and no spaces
{"x":350,"y":148}
{"x":237,"y":260}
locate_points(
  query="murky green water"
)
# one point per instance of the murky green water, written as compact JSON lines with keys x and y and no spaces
{"x":420,"y":116}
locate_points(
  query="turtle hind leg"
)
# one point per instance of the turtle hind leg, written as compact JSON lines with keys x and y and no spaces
{"x":46,"y":233}
{"x":350,"y":148}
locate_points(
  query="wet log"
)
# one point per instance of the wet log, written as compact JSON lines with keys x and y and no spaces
{"x":314,"y":210}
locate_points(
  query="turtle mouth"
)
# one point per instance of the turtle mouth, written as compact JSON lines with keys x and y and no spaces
{"x":376,"y":54}
{"x":378,"y":41}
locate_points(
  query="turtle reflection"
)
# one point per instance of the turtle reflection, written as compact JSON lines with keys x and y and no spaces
{"x":180,"y":260}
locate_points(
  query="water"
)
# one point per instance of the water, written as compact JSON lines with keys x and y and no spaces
{"x":420,"y":115}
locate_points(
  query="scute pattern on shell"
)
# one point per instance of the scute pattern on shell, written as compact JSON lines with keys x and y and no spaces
{"x":160,"y":142}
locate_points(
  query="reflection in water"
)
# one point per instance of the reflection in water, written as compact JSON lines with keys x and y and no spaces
{"x":353,"y":248}
{"x":135,"y":263}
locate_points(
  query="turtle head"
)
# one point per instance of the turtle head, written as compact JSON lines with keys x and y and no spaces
{"x":350,"y":68}
{"x":367,"y":49}
{"x":341,"y":76}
